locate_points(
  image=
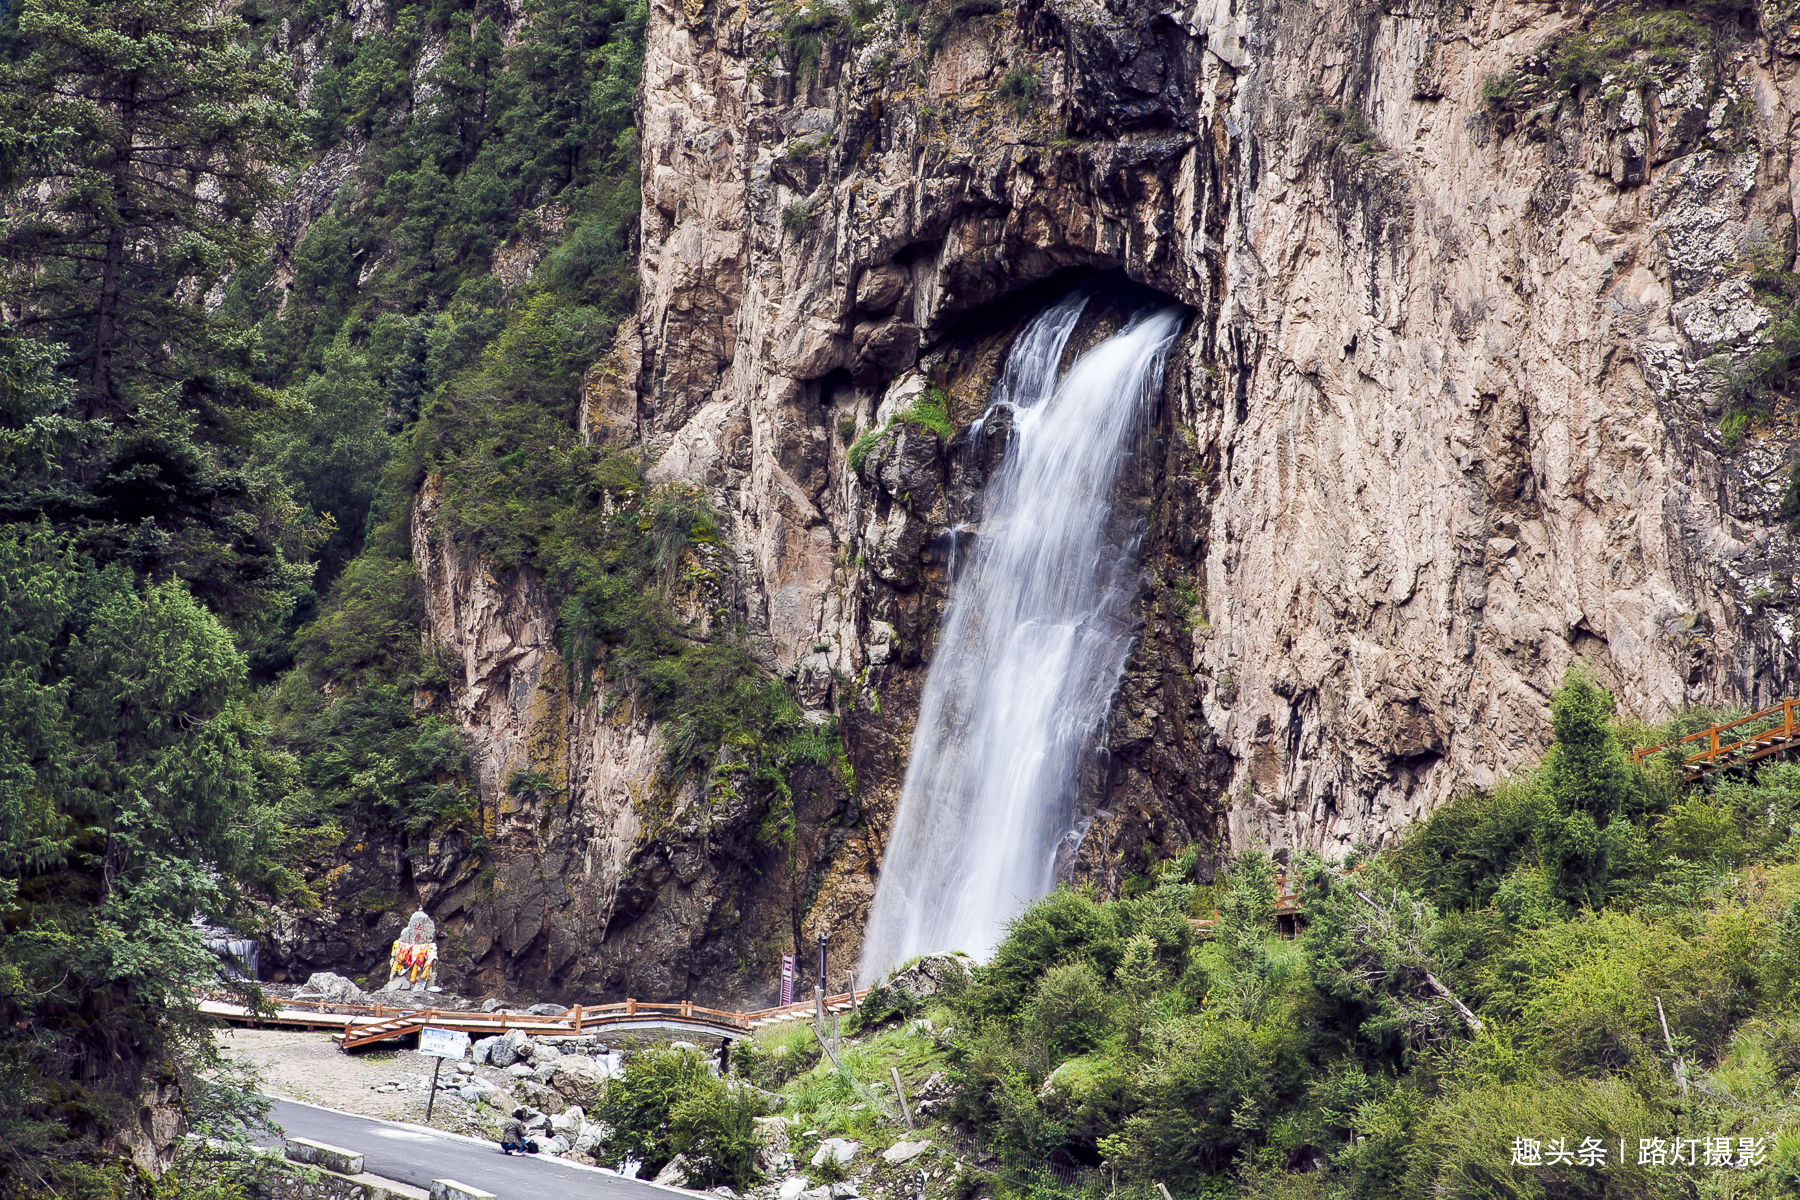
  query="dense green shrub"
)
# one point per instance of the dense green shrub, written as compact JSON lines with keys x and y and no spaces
{"x":1339,"y":1065}
{"x":669,"y":1102}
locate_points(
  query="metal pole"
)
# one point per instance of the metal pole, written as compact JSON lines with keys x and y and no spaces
{"x":432,"y":1099}
{"x":822,"y":945}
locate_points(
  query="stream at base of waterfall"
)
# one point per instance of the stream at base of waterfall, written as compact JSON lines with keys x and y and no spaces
{"x":1035,"y":636}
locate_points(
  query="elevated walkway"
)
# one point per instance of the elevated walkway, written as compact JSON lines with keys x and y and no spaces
{"x":359,"y":1025}
{"x":1733,"y":743}
{"x":1287,"y":909}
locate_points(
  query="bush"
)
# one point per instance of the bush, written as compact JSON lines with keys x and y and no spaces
{"x":1070,"y":1013}
{"x":669,"y":1102}
{"x":796,"y":216}
{"x":1061,"y":928}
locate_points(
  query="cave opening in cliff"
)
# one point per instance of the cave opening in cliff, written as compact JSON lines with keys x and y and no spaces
{"x":1037,"y":628}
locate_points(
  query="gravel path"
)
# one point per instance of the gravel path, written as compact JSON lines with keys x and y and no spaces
{"x":388,"y":1084}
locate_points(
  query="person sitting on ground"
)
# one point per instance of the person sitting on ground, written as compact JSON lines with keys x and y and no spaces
{"x":512,"y":1133}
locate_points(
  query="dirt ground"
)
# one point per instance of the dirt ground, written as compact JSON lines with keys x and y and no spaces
{"x":390,"y":1084}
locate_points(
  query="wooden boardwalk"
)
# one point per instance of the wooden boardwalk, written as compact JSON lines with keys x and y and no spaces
{"x":1287,"y":908}
{"x":360,"y":1025}
{"x":1734,"y":743}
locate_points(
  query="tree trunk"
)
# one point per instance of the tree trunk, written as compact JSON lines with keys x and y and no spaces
{"x":112,"y":271}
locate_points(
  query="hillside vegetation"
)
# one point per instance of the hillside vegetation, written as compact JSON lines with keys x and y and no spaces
{"x":1108,"y":1048}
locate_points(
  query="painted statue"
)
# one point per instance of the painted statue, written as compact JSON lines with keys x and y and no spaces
{"x":412,"y":963}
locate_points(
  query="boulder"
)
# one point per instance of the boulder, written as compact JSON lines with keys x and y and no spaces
{"x":546,"y":1010}
{"x":522,"y":1071}
{"x":901,"y":1152}
{"x":674,"y":1174}
{"x":331,"y":988}
{"x":569,"y":1120}
{"x":845,"y":1187}
{"x":880,"y":288}
{"x":838,"y":1150}
{"x":545,"y":1072}
{"x":934,"y":1095}
{"x":882,"y":347}
{"x":506,"y":1052}
{"x":772,"y":1135}
{"x":931,"y":975}
{"x":578,"y":1076}
{"x":792,"y":1187}
{"x":772,"y":1132}
{"x":491,"y":1004}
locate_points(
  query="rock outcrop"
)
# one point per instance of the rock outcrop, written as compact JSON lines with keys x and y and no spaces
{"x":1446,"y":420}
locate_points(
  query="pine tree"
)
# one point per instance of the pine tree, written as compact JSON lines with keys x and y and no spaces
{"x":1586,"y":785}
{"x":157,"y":131}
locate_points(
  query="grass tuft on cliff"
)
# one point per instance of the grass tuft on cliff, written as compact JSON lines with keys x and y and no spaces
{"x":930,"y":411}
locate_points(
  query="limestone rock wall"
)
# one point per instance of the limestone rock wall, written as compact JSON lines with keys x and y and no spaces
{"x":1446,"y":419}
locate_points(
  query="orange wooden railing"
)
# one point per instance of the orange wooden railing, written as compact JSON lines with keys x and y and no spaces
{"x":1732,"y":751}
{"x":384,"y":1022}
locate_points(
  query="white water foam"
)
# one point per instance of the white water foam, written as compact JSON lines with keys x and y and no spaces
{"x":1035,"y":636}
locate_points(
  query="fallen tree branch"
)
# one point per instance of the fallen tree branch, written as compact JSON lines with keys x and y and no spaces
{"x":1462,"y":1010}
{"x":1432,"y":981}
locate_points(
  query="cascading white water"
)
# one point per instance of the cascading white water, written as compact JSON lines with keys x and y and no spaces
{"x":1034,"y":638}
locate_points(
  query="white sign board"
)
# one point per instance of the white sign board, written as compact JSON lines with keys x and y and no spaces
{"x":443,"y":1043}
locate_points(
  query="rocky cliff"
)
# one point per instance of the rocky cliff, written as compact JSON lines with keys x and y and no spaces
{"x":1446,"y":420}
{"x":1473,"y":295}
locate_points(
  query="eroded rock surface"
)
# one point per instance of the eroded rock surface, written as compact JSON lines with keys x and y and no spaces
{"x":1445,"y":422}
{"x":1446,"y":419}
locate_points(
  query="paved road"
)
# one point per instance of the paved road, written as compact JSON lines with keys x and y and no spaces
{"x":415,"y":1155}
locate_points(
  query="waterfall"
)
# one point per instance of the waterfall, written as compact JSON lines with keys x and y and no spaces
{"x":1034,"y":637}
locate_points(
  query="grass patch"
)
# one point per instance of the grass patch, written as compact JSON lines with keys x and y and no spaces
{"x":930,"y":411}
{"x":1629,"y":46}
{"x":1019,"y":87}
{"x":805,"y":30}
{"x":1349,"y":128}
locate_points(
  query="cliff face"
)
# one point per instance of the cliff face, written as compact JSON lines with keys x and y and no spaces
{"x":1445,"y":419}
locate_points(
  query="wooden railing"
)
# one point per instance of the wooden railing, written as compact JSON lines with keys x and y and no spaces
{"x":366,"y":1024}
{"x":1735,"y":749}
{"x":1287,"y":904}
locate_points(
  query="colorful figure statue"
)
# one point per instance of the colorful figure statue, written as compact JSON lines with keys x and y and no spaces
{"x":412,"y":963}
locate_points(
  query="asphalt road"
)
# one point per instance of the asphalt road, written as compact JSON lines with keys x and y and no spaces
{"x":416,"y":1155}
